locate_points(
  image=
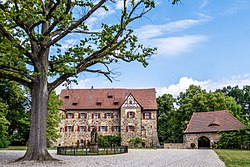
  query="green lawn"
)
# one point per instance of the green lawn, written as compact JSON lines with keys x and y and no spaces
{"x":235,"y":158}
{"x":20,"y":148}
{"x":15,"y":148}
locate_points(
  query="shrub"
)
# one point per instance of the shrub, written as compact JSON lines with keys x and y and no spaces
{"x":235,"y":140}
{"x":192,"y":145}
{"x":105,"y":141}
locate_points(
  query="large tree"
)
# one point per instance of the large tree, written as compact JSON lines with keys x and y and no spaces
{"x":31,"y":52}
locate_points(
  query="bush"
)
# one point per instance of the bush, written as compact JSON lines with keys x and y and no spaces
{"x":192,"y":145}
{"x":106,"y":141}
{"x":136,"y":142}
{"x":235,"y":140}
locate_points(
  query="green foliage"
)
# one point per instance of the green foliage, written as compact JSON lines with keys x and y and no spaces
{"x":172,"y":122}
{"x":241,"y":96}
{"x":4,"y":140}
{"x":107,"y":141}
{"x":54,"y":118}
{"x":15,"y":103}
{"x":136,"y":142}
{"x":235,"y":140}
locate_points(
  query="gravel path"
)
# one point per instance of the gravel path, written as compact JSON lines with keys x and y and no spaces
{"x":135,"y":158}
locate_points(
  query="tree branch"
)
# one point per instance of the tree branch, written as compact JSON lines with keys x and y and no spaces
{"x":12,"y":39}
{"x":54,"y":24}
{"x":15,"y":78}
{"x":77,"y":23}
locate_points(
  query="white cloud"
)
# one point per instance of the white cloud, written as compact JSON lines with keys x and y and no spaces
{"x":68,"y":43}
{"x":177,"y":45}
{"x":185,"y":82}
{"x":81,"y":85}
{"x":151,"y":31}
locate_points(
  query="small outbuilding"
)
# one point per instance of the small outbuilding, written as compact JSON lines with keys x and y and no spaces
{"x":204,"y":128}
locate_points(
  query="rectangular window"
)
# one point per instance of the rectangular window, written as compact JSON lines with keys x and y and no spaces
{"x":131,"y":114}
{"x":116,"y":128}
{"x":70,"y":115}
{"x":82,"y":115}
{"x":70,"y":128}
{"x":131,"y":128}
{"x":103,"y":128}
{"x":109,"y":115}
{"x":146,"y":115}
{"x":96,"y":115}
{"x":81,"y":128}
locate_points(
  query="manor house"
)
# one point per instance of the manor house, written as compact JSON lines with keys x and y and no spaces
{"x":128,"y":113}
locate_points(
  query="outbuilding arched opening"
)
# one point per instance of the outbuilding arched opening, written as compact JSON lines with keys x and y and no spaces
{"x":203,"y":142}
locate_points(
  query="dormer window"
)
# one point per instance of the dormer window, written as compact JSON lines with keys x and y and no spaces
{"x":116,"y":101}
{"x":66,"y":97}
{"x":99,"y":101}
{"x":75,"y":103}
{"x":110,"y":95}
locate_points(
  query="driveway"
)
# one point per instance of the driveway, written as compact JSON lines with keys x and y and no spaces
{"x":135,"y":158}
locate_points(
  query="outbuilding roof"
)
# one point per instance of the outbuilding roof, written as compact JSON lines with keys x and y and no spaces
{"x":111,"y":98}
{"x":215,"y":121}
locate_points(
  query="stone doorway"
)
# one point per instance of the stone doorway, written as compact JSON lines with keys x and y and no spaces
{"x":203,"y":142}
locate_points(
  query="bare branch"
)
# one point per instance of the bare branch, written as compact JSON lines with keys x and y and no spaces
{"x":106,"y":74}
{"x":77,"y":23}
{"x":84,"y":32}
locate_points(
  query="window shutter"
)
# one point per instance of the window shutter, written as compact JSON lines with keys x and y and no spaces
{"x":85,"y":128}
{"x":112,"y":115}
{"x":72,"y":115}
{"x":92,"y":115}
{"x":133,"y":128}
{"x":78,"y":128}
{"x":106,"y":128}
{"x":85,"y":115}
{"x":99,"y":128}
{"x":105,"y":115}
{"x":65,"y":128}
{"x":127,"y":114}
{"x":150,"y":116}
{"x":89,"y":128}
{"x":85,"y":143}
{"x":99,"y":115}
{"x":133,"y":114}
{"x":79,"y":115}
{"x":73,"y":128}
{"x":143,"y":115}
{"x":112,"y":128}
{"x":126,"y":128}
{"x":66,"y":116}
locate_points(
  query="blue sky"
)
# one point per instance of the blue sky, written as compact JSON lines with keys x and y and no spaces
{"x":201,"y":42}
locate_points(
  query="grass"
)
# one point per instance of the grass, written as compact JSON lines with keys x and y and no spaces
{"x":235,"y":158}
{"x":15,"y":148}
{"x":20,"y":148}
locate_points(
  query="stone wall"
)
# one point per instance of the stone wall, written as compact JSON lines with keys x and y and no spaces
{"x":193,"y":138}
{"x":174,"y":145}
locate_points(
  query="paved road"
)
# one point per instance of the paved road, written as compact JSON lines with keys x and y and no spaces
{"x":135,"y":158}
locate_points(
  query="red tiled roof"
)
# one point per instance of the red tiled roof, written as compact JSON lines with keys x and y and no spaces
{"x":106,"y":98}
{"x":214,"y":121}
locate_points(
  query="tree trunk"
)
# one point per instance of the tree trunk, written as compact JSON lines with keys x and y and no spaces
{"x":37,"y":148}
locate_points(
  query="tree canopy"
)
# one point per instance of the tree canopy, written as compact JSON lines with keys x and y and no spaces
{"x":172,"y":121}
